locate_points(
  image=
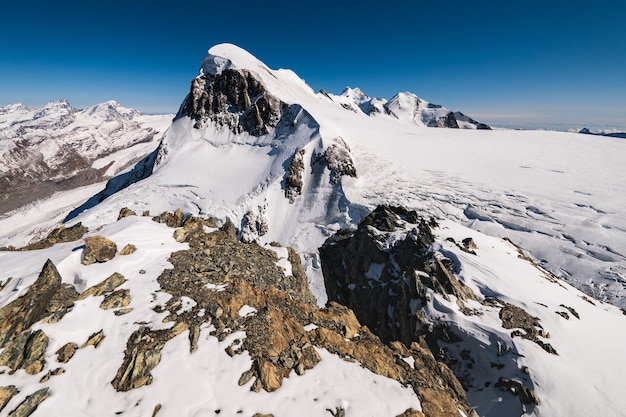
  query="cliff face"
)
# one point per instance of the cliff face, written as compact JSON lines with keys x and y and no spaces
{"x":233,"y":98}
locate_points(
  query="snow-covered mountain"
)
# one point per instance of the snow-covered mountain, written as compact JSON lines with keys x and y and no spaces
{"x":482,"y":289}
{"x":407,"y":107}
{"x":59,"y":147}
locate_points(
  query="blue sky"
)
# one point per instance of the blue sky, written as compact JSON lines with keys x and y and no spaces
{"x":549,"y":64}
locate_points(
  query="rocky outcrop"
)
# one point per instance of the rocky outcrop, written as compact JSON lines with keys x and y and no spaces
{"x":294,"y":177}
{"x":98,"y":249}
{"x":377,"y":274}
{"x":30,"y":404}
{"x":338,"y":160}
{"x":236,"y":99}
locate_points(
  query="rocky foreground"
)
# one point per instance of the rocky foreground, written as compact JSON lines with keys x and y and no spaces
{"x":235,"y":288}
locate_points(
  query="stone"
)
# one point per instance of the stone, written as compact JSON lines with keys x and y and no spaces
{"x":66,"y":352}
{"x":412,"y":413}
{"x":60,"y":235}
{"x":125,"y":212}
{"x":108,"y":285}
{"x":6,"y":393}
{"x":98,"y":249}
{"x":128,"y":249}
{"x":170,"y":219}
{"x":525,"y":394}
{"x":30,"y":403}
{"x":116,"y":299}
{"x":293,"y":176}
{"x":94,"y":340}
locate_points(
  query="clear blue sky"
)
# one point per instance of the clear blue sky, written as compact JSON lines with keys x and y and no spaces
{"x":516,"y":63}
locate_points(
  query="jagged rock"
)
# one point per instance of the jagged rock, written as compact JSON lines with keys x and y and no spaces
{"x":59,"y":235}
{"x":94,"y":340}
{"x":525,"y":394}
{"x":30,"y":404}
{"x":337,"y":158}
{"x":514,"y":317}
{"x":170,"y":219}
{"x":234,"y":98}
{"x":125,"y":212}
{"x":111,"y":283}
{"x":98,"y":249}
{"x":142,"y":354}
{"x":446,"y":121}
{"x":116,"y":299}
{"x":254,"y":224}
{"x":293,"y":178}
{"x":6,"y":393}
{"x":128,"y":249}
{"x":21,"y":314}
{"x":46,"y":377}
{"x":65,"y":352}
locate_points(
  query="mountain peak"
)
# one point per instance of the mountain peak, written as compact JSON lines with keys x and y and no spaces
{"x":228,"y":56}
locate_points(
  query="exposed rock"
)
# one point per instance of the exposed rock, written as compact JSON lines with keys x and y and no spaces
{"x":128,"y":249}
{"x":514,"y":317}
{"x":21,"y":314}
{"x":61,"y":235}
{"x":571,"y":310}
{"x":338,"y":160}
{"x":94,"y":340}
{"x":142,"y":354}
{"x":6,"y":393}
{"x":116,"y":299}
{"x":111,"y":283}
{"x":125,"y":212}
{"x":254,"y":224}
{"x":525,"y":394}
{"x":65,"y":352}
{"x":30,"y":404}
{"x":294,"y":175}
{"x":46,"y":377}
{"x":412,"y":413}
{"x":98,"y":249}
{"x":446,"y":121}
{"x":170,"y":219}
{"x":234,"y":98}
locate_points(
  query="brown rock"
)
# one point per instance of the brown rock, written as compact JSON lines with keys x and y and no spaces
{"x":65,"y":352}
{"x":98,"y":249}
{"x":6,"y":393}
{"x":125,"y":212}
{"x":412,"y":413}
{"x":128,"y":249}
{"x":30,"y":404}
{"x":60,"y":235}
{"x":94,"y":340}
{"x":116,"y":299}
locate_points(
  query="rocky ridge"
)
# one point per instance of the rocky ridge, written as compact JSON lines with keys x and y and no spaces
{"x":388,"y":272}
{"x":235,"y":288}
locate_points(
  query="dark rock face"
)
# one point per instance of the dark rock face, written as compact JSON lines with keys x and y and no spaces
{"x":447,"y":121}
{"x":338,"y":160}
{"x":233,"y":98}
{"x":378,"y":282}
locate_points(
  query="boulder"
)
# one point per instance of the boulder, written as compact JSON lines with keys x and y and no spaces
{"x":98,"y":249}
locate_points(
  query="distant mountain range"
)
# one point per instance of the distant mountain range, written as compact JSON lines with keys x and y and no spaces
{"x":621,"y":135}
